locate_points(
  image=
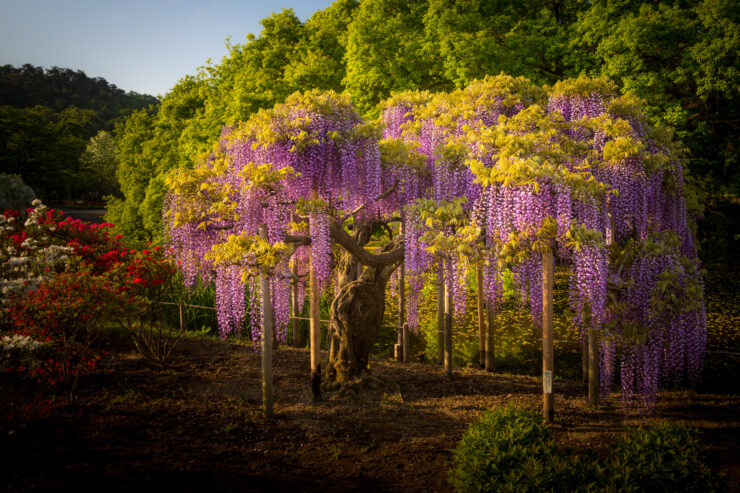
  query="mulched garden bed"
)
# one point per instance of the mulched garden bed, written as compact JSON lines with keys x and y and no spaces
{"x":197,"y":425}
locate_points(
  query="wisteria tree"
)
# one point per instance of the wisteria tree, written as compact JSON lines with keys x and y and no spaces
{"x":498,"y":176}
{"x":322,"y":184}
{"x":581,"y":177}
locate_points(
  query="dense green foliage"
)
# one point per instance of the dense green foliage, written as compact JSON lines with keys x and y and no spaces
{"x":681,"y":57}
{"x":47,"y":118}
{"x":664,"y":457}
{"x":511,"y":450}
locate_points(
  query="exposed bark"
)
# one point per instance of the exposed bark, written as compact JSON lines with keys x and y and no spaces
{"x":357,"y":310}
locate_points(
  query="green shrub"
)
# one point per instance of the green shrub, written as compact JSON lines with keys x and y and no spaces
{"x":14,"y":193}
{"x":509,"y":450}
{"x":662,"y":457}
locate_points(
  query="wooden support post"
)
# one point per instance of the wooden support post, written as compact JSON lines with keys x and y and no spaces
{"x":593,"y":368}
{"x":398,"y":353}
{"x":548,"y":282}
{"x":315,"y":336}
{"x":181,"y":310}
{"x":296,"y":309}
{"x":584,"y":361}
{"x":405,"y":343}
{"x":448,"y":330}
{"x":401,"y":312}
{"x":267,"y":335}
{"x":490,"y":352}
{"x":440,"y":315}
{"x":315,"y":328}
{"x":481,"y":316}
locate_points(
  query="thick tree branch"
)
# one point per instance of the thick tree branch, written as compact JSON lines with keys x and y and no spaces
{"x":298,"y":240}
{"x":219,"y":227}
{"x":379,"y":260}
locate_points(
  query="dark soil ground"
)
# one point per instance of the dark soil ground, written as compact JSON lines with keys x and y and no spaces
{"x":197,"y":426}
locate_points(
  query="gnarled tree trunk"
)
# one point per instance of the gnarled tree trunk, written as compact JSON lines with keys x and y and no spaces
{"x":357,"y":310}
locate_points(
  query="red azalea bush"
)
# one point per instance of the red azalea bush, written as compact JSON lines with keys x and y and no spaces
{"x":146,"y":280}
{"x":38,"y":243}
{"x":62,"y":280}
{"x":68,"y":312}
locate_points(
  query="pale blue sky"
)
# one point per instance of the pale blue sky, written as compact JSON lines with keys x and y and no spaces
{"x":138,"y":45}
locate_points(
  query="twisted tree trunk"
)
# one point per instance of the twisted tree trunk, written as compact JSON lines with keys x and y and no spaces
{"x":358,"y":308}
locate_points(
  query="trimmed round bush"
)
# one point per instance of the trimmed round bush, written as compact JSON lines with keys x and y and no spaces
{"x":662,"y":457}
{"x":509,"y":450}
{"x":14,"y":193}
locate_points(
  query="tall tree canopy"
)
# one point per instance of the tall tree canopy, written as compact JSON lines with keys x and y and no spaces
{"x":680,"y":57}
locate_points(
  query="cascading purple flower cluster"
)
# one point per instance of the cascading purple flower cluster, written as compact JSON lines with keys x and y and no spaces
{"x":441,"y":122}
{"x":650,"y":345}
{"x":591,"y":266}
{"x":230,"y":301}
{"x":416,"y":261}
{"x":671,"y":343}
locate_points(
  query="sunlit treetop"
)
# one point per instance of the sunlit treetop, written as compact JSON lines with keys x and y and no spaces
{"x":584,"y":87}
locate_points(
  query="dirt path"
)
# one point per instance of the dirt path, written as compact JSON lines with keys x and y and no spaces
{"x":198,"y":426}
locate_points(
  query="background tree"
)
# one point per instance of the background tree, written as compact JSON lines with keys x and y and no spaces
{"x":14,"y":194}
{"x":386,"y":52}
{"x":58,"y":88}
{"x":479,"y":38}
{"x":44,"y":147}
{"x":143,"y":159}
{"x":99,"y":164}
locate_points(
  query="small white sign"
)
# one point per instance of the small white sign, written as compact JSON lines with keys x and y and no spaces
{"x":547,"y":382}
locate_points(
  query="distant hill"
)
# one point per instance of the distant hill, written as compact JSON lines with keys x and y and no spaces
{"x":47,"y":118}
{"x":58,"y":88}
